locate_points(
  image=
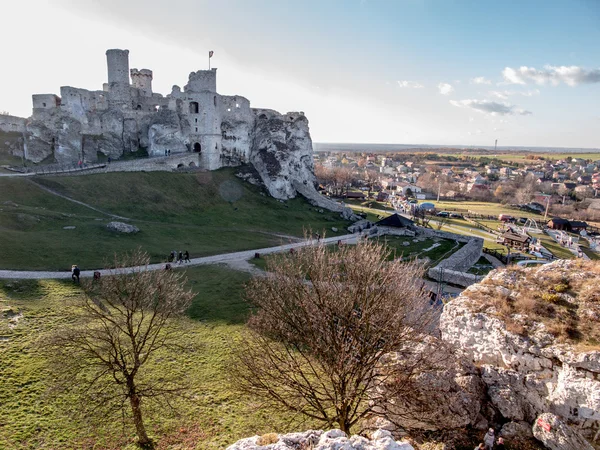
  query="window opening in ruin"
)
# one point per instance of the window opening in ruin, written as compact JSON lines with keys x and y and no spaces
{"x":197,"y":147}
{"x":196,"y":129}
{"x":196,"y":120}
{"x":44,"y":104}
{"x":216,"y":146}
{"x":215,"y":100}
{"x":228,"y":109}
{"x":194,"y":107}
{"x":237,"y":105}
{"x":139,"y":107}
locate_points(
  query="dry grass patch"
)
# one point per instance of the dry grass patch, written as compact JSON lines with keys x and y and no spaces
{"x":564,"y":297}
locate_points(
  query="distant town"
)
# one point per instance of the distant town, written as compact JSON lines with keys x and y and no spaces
{"x":498,"y":193}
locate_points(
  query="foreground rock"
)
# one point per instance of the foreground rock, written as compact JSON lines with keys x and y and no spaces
{"x":120,"y":227}
{"x":532,"y":333}
{"x":319,"y":440}
{"x":556,"y":435}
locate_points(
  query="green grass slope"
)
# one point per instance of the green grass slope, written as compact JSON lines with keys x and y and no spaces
{"x":206,"y":213}
{"x":213,"y":417}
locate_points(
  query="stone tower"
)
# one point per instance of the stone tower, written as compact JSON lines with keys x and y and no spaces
{"x":142,"y":80}
{"x":203,"y":111}
{"x":118,"y":77}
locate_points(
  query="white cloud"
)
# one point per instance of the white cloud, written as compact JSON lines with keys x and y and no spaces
{"x":471,"y":119}
{"x":480,"y":80}
{"x":490,"y":107}
{"x":410,"y":84}
{"x":445,"y":88}
{"x":554,"y":75}
{"x":503,"y":95}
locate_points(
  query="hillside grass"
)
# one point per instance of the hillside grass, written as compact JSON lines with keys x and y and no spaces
{"x":213,"y":417}
{"x":205,"y":213}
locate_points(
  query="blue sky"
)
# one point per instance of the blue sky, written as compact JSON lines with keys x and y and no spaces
{"x":405,"y":71}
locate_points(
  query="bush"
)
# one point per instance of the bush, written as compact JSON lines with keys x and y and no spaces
{"x":550,"y":297}
{"x":561,"y":287}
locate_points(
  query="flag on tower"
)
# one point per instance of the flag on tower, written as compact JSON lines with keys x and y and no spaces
{"x":210,"y":53}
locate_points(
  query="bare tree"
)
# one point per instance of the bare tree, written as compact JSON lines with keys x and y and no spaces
{"x":118,"y":329}
{"x":324,"y":327}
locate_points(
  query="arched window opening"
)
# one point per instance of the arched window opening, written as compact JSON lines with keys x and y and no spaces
{"x":194,"y":107}
{"x":138,"y":107}
{"x":197,"y":147}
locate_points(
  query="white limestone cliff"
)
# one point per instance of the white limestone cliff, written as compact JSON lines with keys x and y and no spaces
{"x":530,"y":372}
{"x":319,"y":440}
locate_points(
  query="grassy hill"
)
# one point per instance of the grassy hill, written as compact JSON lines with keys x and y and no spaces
{"x":206,"y":213}
{"x":214,"y":416}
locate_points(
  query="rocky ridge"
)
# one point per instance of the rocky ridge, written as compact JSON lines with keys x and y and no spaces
{"x":320,"y":440}
{"x":530,"y":367}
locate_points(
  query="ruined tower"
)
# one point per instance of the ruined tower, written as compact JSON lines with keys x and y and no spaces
{"x":142,"y":80}
{"x":204,"y":114}
{"x":118,"y":77}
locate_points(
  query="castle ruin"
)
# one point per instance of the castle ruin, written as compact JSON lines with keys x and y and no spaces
{"x":127,"y":116}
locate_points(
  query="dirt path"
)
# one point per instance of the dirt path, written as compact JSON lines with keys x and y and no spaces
{"x":58,"y":194}
{"x":237,"y":259}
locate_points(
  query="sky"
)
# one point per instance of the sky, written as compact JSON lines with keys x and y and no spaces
{"x":448,"y":72}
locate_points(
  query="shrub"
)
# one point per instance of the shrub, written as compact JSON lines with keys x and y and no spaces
{"x":550,"y":297}
{"x":561,"y":287}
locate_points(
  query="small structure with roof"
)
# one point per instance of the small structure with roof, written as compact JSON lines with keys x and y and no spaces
{"x":556,"y":223}
{"x":396,"y":221}
{"x":518,"y":241}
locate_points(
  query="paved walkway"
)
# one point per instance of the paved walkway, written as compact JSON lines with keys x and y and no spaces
{"x":225,"y":258}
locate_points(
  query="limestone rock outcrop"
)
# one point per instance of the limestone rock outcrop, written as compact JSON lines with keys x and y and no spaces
{"x":522,"y":327}
{"x":120,"y":227}
{"x":282,"y":152}
{"x":319,"y":440}
{"x":557,"y":435}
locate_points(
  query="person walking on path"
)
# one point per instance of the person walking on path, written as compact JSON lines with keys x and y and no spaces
{"x":180,"y":257}
{"x":500,"y":445}
{"x":489,"y":439}
{"x":75,"y":273}
{"x":186,"y":256}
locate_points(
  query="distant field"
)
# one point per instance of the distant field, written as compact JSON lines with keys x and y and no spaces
{"x":206,"y":213}
{"x":484,"y":208}
{"x":214,"y":416}
{"x":522,"y":157}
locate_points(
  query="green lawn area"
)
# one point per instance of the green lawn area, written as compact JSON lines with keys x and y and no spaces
{"x":481,"y":267}
{"x":206,"y":213}
{"x":421,"y":249}
{"x":484,"y":208}
{"x":212,"y":418}
{"x":553,"y":247}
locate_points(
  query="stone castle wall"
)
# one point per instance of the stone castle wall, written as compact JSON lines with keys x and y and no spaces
{"x":124,"y":116}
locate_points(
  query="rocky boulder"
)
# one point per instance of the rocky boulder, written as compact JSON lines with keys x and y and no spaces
{"x":120,"y":227}
{"x":447,"y":398}
{"x":531,"y":332}
{"x":557,"y":435}
{"x":282,"y":152}
{"x":165,"y":133}
{"x":319,"y":440}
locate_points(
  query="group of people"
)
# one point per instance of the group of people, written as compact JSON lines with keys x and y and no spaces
{"x":490,"y":443}
{"x":180,"y":257}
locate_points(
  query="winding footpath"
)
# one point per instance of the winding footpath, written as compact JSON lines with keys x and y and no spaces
{"x":237,"y":258}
